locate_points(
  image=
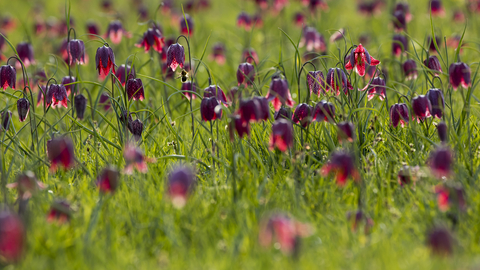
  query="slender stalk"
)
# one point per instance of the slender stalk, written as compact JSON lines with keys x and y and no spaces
{"x":193,"y":82}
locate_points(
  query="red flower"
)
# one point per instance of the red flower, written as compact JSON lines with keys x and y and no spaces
{"x":60,"y":211}
{"x":152,"y":39}
{"x":107,"y":181}
{"x":105,"y":60}
{"x":57,"y":95}
{"x":421,"y":107}
{"x":440,"y":162}
{"x":12,"y":237}
{"x":180,"y":185}
{"x":343,"y":165}
{"x":186,"y":25}
{"x":336,"y":78}
{"x":282,"y":135}
{"x":115,"y":32}
{"x":60,"y":152}
{"x":279,"y":94}
{"x":123,"y":72}
{"x":359,"y":57}
{"x":237,"y":124}
{"x":189,"y":86}
{"x":216,"y":91}
{"x":175,"y":56}
{"x":209,"y":110}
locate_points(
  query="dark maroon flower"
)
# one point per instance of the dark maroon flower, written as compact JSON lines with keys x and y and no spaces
{"x":282,"y":135}
{"x":303,"y":114}
{"x":108,"y":180}
{"x":57,"y":95}
{"x":402,"y":6}
{"x":105,"y":101}
{"x":60,"y":212}
{"x":404,"y":176}
{"x":440,"y":241}
{"x":245,"y":74}
{"x":69,"y":80}
{"x":189,"y":86}
{"x":105,"y":60}
{"x":359,"y":57}
{"x":218,"y":53}
{"x":143,"y":12}
{"x":314,"y":5}
{"x":92,"y":29}
{"x":25,"y":53}
{"x":244,"y":21}
{"x":346,"y":131}
{"x":237,"y":124}
{"x":324,"y":111}
{"x":60,"y":152}
{"x":123,"y":73}
{"x":216,"y":91}
{"x":136,"y":128}
{"x":62,"y":50}
{"x":459,"y":74}
{"x":166,"y":45}
{"x":134,"y":89}
{"x":299,"y":19}
{"x":399,"y":45}
{"x":186,"y":25}
{"x":279,"y":94}
{"x":249,"y":110}
{"x":283,"y":113}
{"x":12,"y":237}
{"x":343,"y":165}
{"x":431,"y":43}
{"x":399,"y":114}
{"x":80,"y":105}
{"x":8,"y":77}
{"x":440,"y":161}
{"x":442,"y":131}
{"x":249,"y":55}
{"x":313,"y":40}
{"x":399,"y":21}
{"x":435,"y":96}
{"x":263,"y":108}
{"x":433,"y":64}
{"x":152,"y":38}
{"x":209,"y":110}
{"x":376,"y":87}
{"x":6,"y":119}
{"x":115,"y":32}
{"x":76,"y":52}
{"x":368,"y":8}
{"x":421,"y":107}
{"x":175,"y":56}
{"x":180,"y":184}
{"x":410,"y":69}
{"x":23,"y":107}
{"x":336,"y":78}
{"x":316,"y":82}
{"x":436,"y":8}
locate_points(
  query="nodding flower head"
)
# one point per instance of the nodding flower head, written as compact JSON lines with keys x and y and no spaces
{"x":245,"y":74}
{"x":69,"y":80}
{"x":237,"y":124}
{"x":459,"y":74}
{"x":115,"y":32}
{"x":218,"y":53}
{"x":134,"y":88}
{"x":180,"y":184}
{"x":76,"y":52}
{"x":343,"y":165}
{"x":186,"y":25}
{"x":27,"y":185}
{"x":123,"y":72}
{"x":216,"y":91}
{"x":166,"y":45}
{"x":249,"y":110}
{"x":299,"y":19}
{"x":442,"y":131}
{"x":279,"y":94}
{"x":324,"y":111}
{"x":249,"y":55}
{"x":399,"y":114}
{"x":436,"y":8}
{"x":263,"y":108}
{"x":399,"y":45}
{"x":410,"y":69}
{"x":405,"y":175}
{"x":25,"y":53}
{"x":8,"y":77}
{"x":337,"y":79}
{"x":316,"y":82}
{"x":175,"y":56}
{"x":57,"y":95}
{"x":435,"y":96}
{"x":60,"y":152}
{"x":405,"y":8}
{"x":12,"y":237}
{"x":105,"y":60}
{"x":440,"y":241}
{"x":80,"y":105}
{"x":244,"y":21}
{"x":210,"y":108}
{"x":440,"y":161}
{"x":431,"y":43}
{"x":282,"y":135}
{"x":134,"y":158}
{"x":189,"y":86}
{"x":60,"y":212}
{"x":303,"y":114}
{"x":421,"y":107}
{"x":346,"y":131}
{"x":376,"y":87}
{"x":450,"y":196}
{"x":152,"y":38}
{"x":359,"y":57}
{"x":399,"y":21}
{"x":136,"y":128}
{"x":108,"y":180}
{"x":23,"y":107}
{"x":92,"y":29}
{"x":432,"y":63}
{"x":6,"y":119}
{"x":313,"y":40}
{"x":283,"y":113}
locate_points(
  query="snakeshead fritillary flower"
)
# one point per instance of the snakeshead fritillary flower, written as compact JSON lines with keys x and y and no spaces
{"x":134,"y":88}
{"x":68,"y":80}
{"x":436,"y":8}
{"x":410,"y":70}
{"x":107,"y":181}
{"x":23,"y":107}
{"x":8,"y":77}
{"x":440,"y":241}
{"x":186,"y":25}
{"x":6,"y":119}
{"x":92,"y":29}
{"x":210,"y":108}
{"x":435,"y":96}
{"x":249,"y":55}
{"x":324,"y":111}
{"x":303,"y":114}
{"x":450,"y":196}
{"x":12,"y":237}
{"x":282,"y":135}
{"x":60,"y":212}
{"x":244,"y":21}
{"x":399,"y":114}
{"x":216,"y":91}
{"x":134,"y":158}
{"x":263,"y":108}
{"x":283,"y":113}
{"x":442,"y":131}
{"x":346,"y":131}
{"x":440,"y":161}
{"x":299,"y":19}
{"x":399,"y":21}
{"x":180,"y":184}
{"x":402,"y":6}
{"x":218,"y":53}
{"x":115,"y":32}
{"x":80,"y":105}
{"x":61,"y":152}
{"x":57,"y":95}
{"x":343,"y":165}
{"x":105,"y":60}
{"x":152,"y":39}
{"x":237,"y":124}
{"x":431,"y":43}
{"x":25,"y":53}
{"x":27,"y":185}
{"x":175,"y":56}
{"x":245,"y":74}
{"x":433,"y":64}
{"x":123,"y":73}
{"x":459,"y":74}
{"x":316,"y":82}
{"x":376,"y":87}
{"x":279,"y":94}
{"x":399,"y":45}
{"x":359,"y":57}
{"x":249,"y":110}
{"x":312,"y":40}
{"x":421,"y":107}
{"x":76,"y":52}
{"x":336,"y":78}
{"x":136,"y":128}
{"x":189,"y":86}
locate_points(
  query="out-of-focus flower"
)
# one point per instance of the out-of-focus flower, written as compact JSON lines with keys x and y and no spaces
{"x":218,"y":53}
{"x":337,"y":35}
{"x":402,"y":6}
{"x":358,"y":218}
{"x":410,"y":69}
{"x":237,"y":124}
{"x":459,"y":74}
{"x":107,"y":181}
{"x":324,"y":111}
{"x":299,"y":19}
{"x":152,"y":38}
{"x":60,"y":152}
{"x":279,"y":94}
{"x":123,"y":72}
{"x":346,"y":131}
{"x":210,"y":108}
{"x":359,"y":57}
{"x":134,"y":158}
{"x":25,"y":53}
{"x":27,"y":185}
{"x":440,"y":241}
{"x":303,"y":114}
{"x":282,"y":135}
{"x":436,"y":8}
{"x":92,"y":29}
{"x":399,"y":21}
{"x":263,"y":108}
{"x":249,"y":110}
{"x":431,"y":43}
{"x":283,"y":113}
{"x":343,"y":165}
{"x":442,"y":131}
{"x":244,"y":20}
{"x":186,"y":25}
{"x":435,"y":96}
{"x":399,"y":114}
{"x":312,"y":40}
{"x":245,"y":74}
{"x":421,"y":107}
{"x":399,"y":45}
{"x":12,"y":237}
{"x":115,"y":32}
{"x":6,"y":119}
{"x":60,"y":212}
{"x":180,"y":184}
{"x":249,"y":55}
{"x":440,"y":162}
